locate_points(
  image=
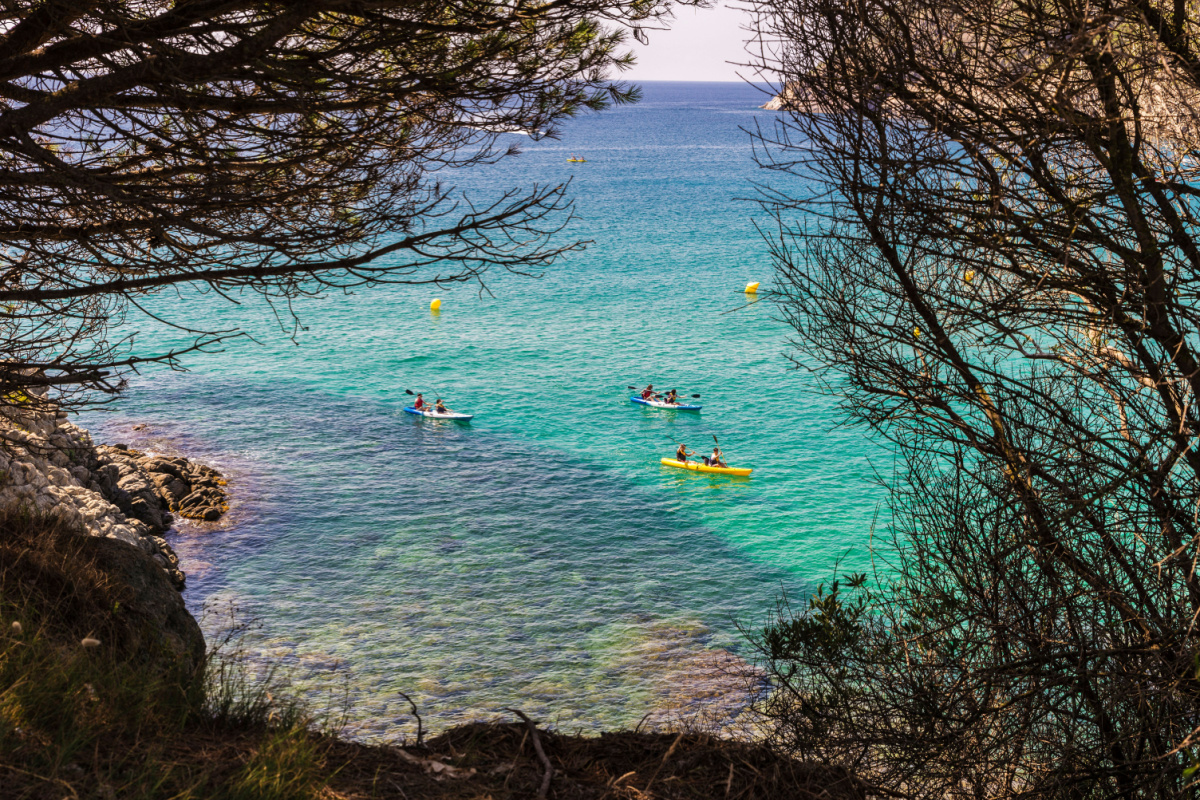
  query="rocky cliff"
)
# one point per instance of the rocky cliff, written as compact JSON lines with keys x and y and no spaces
{"x":793,"y":97}
{"x":49,"y":465}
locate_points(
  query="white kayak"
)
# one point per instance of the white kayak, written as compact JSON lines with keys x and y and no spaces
{"x":661,"y":404}
{"x":435,"y":415}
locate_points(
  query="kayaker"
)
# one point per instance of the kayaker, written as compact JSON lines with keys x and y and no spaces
{"x":717,"y":459}
{"x":439,"y":408}
{"x":420,"y":404}
{"x":682,"y":453}
{"x":672,"y":398}
{"x":648,"y":392}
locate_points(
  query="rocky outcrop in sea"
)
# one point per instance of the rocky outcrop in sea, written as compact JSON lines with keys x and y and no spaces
{"x":793,"y":97}
{"x":50,"y":465}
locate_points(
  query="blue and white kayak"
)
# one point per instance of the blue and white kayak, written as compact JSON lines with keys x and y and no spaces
{"x":660,"y":404}
{"x":435,"y":415}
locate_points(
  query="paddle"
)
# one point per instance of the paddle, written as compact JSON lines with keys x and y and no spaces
{"x":676,"y":441}
{"x":414,"y":394}
{"x":721,"y":460}
{"x":410,"y":391}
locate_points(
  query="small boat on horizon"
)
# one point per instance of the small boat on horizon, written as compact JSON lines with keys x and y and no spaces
{"x":577,"y":160}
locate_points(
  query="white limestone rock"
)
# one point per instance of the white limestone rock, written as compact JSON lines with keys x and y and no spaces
{"x":51,"y":465}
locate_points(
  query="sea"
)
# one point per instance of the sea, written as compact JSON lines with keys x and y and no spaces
{"x":538,"y":557}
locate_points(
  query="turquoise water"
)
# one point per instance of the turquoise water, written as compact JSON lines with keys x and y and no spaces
{"x":538,"y":557}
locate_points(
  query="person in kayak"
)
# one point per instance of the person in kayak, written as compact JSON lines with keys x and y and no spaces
{"x":681,"y":453}
{"x":717,"y":459}
{"x":440,"y":408}
{"x":648,"y":392}
{"x":672,"y":398}
{"x":419,"y":405}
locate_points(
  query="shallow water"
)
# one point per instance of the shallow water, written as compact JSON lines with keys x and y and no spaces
{"x":539,"y":556}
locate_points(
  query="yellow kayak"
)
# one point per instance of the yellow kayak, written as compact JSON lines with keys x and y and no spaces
{"x":700,"y":467}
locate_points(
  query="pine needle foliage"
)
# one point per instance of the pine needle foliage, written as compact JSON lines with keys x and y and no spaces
{"x":272,"y":149}
{"x":987,"y":242}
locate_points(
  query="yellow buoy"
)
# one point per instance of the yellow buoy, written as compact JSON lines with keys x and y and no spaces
{"x":752,"y":288}
{"x":916,"y":332}
{"x":969,"y":275}
{"x":436,"y":305}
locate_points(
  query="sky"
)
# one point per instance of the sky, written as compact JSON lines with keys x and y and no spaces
{"x":698,"y":47}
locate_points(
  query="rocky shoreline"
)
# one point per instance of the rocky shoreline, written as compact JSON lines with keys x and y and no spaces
{"x":52,"y":466}
{"x":793,"y":97}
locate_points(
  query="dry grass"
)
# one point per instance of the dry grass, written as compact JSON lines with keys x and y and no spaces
{"x":497,"y":760}
{"x":49,"y":580}
{"x":492,"y":760}
{"x":129,"y":720}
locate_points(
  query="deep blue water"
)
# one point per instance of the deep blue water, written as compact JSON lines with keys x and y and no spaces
{"x":539,"y":556}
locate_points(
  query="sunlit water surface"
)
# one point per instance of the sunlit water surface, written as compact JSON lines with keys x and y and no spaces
{"x":538,"y":557}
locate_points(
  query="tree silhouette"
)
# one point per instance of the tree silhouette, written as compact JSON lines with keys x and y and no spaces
{"x":992,"y":252}
{"x":282,"y":148}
